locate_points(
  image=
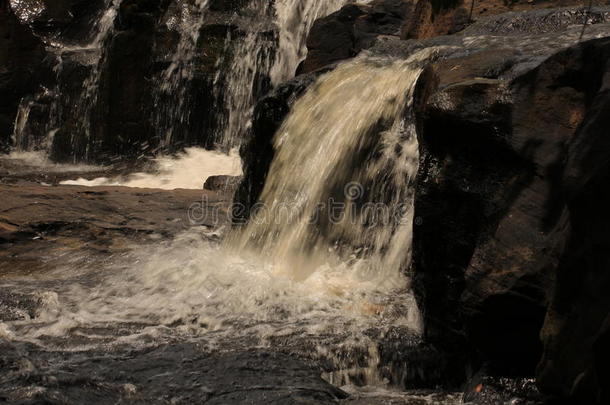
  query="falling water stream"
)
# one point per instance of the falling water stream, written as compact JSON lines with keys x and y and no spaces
{"x":172,"y":102}
{"x":328,"y":285}
{"x":258,"y":56}
{"x":91,"y":54}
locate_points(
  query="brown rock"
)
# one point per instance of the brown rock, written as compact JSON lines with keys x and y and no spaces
{"x":510,"y":203}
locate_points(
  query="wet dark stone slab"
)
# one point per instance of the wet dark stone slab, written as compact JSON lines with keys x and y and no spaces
{"x":177,"y":373}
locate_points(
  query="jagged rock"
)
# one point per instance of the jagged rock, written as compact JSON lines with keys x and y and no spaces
{"x":500,"y":202}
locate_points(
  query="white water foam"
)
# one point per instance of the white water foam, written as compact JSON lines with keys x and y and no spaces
{"x":187,"y":170}
{"x":39,"y":160}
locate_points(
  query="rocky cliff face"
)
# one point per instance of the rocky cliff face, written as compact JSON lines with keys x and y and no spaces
{"x":496,"y":190}
{"x":105,"y":91}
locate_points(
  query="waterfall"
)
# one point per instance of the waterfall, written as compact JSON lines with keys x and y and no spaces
{"x":89,"y":96}
{"x":258,"y":56}
{"x":172,"y":104}
{"x":27,"y":132}
{"x":340,"y":186}
{"x":319,"y":271}
{"x":237,"y":88}
{"x":266,"y":53}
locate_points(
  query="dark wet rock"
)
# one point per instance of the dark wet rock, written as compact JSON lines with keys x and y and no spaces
{"x":494,"y":390}
{"x":538,"y":21}
{"x":497,"y":217}
{"x":72,"y":19}
{"x":576,"y":330}
{"x":226,"y":184}
{"x":228,"y":5}
{"x":348,"y":31}
{"x":21,"y":61}
{"x":174,"y":373}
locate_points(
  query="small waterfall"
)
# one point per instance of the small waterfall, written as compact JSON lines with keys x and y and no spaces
{"x":28,"y":129}
{"x":320,"y":269}
{"x":340,"y":186}
{"x":258,"y":56}
{"x":21,"y":140}
{"x":268,"y":53}
{"x":90,"y":93}
{"x":237,"y":88}
{"x":172,"y":104}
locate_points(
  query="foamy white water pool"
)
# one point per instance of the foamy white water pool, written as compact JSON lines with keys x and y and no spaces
{"x":188,"y":170}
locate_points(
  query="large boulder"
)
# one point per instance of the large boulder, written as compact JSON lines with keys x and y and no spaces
{"x":353,"y":28}
{"x":501,"y":212}
{"x":576,"y":332}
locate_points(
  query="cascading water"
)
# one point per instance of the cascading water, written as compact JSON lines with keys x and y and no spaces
{"x":268,"y":53}
{"x":27,"y":130}
{"x":351,"y":191}
{"x":89,"y":96}
{"x":260,"y":56}
{"x":172,"y":105}
{"x":237,"y":88}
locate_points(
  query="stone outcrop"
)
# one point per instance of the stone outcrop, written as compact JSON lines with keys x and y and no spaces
{"x":226,"y":184}
{"x":502,"y":204}
{"x":348,"y":31}
{"x":576,"y":332}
